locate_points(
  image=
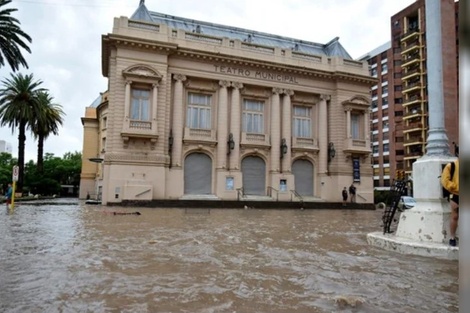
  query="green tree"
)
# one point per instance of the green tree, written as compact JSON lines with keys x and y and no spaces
{"x":57,"y":171}
{"x":48,"y":118}
{"x":18,"y":102}
{"x":12,"y":39}
{"x":6,"y":168}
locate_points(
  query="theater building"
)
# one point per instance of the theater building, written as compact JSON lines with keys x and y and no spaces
{"x":196,"y":110}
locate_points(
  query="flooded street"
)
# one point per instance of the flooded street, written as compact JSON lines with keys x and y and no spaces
{"x":80,"y":258}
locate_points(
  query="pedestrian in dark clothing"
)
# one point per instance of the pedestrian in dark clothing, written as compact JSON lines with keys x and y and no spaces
{"x":352,"y":193}
{"x":344,"y":193}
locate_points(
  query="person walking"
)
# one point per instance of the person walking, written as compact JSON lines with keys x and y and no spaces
{"x":450,"y":181}
{"x":344,"y":193}
{"x":8,"y":195}
{"x":352,"y":193}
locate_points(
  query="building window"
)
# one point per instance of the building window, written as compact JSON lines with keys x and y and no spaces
{"x":302,"y":122}
{"x":140,"y":105}
{"x":384,"y":67}
{"x":199,"y":111}
{"x":103,"y":144}
{"x":104,"y":124}
{"x":356,"y":125}
{"x":384,"y":90}
{"x":253,"y":116}
{"x":373,"y":72}
{"x":385,"y":147}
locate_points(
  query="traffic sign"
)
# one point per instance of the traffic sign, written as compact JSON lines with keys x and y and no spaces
{"x":16,"y":172}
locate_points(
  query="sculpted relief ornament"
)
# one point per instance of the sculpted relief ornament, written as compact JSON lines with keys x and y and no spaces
{"x":142,"y":72}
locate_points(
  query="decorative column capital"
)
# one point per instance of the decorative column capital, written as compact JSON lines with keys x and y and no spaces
{"x":128,"y":82}
{"x":325,"y":97}
{"x":224,"y":83}
{"x":289,"y":92}
{"x":237,"y":85}
{"x":179,"y":77}
{"x":155,"y":85}
{"x":277,"y":91}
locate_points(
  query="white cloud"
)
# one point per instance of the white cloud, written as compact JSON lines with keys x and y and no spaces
{"x":66,"y":49}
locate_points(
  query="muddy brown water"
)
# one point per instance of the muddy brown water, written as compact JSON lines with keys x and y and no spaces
{"x":78,"y":258}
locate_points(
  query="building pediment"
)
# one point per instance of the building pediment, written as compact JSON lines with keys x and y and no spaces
{"x":142,"y":72}
{"x":357,"y":102}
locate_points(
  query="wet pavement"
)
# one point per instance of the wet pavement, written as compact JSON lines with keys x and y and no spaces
{"x":81,"y":258}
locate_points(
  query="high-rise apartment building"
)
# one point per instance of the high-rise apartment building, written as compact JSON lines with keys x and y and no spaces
{"x":5,"y":147}
{"x":399,"y":116}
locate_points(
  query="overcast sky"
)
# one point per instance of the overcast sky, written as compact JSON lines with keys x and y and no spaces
{"x":66,"y":47}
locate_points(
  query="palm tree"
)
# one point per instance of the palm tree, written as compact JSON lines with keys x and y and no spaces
{"x":11,"y":39}
{"x":18,"y":102}
{"x":49,"y":116}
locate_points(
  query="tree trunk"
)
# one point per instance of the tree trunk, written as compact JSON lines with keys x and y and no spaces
{"x":40,"y":165}
{"x":21,"y":145}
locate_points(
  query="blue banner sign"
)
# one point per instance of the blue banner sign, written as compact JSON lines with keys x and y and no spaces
{"x":356,"y":170}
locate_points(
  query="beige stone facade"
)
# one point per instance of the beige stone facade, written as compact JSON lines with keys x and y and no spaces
{"x":194,"y":115}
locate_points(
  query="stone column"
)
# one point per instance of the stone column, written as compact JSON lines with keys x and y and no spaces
{"x":287,"y":129}
{"x":178,"y":123}
{"x":366,"y":124}
{"x":127,"y":100}
{"x":323,"y":135}
{"x":235,"y":125}
{"x":222,"y":125}
{"x":154,"y":104}
{"x":348,"y":123}
{"x":275,"y":131}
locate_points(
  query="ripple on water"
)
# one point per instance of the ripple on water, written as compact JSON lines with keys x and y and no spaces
{"x":72,"y":258}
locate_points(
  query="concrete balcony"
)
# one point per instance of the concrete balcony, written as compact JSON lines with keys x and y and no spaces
{"x":305,"y":144}
{"x":412,"y":127}
{"x":200,"y":136}
{"x":255,"y":140}
{"x":357,"y":146}
{"x":139,"y":129}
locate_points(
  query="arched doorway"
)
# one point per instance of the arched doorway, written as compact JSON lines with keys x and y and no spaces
{"x":303,"y":177}
{"x":197,"y":174}
{"x":254,"y":176}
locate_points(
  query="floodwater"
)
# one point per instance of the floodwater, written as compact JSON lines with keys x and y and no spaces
{"x":79,"y":258}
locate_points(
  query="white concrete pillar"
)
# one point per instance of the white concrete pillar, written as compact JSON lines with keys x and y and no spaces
{"x":222,"y":125}
{"x":348,"y":123}
{"x":178,"y":123}
{"x":287,"y":129}
{"x":235,"y":125}
{"x":275,"y":131}
{"x":437,"y":141}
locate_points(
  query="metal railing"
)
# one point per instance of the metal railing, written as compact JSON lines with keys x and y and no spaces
{"x":361,"y":197}
{"x":270,"y":192}
{"x":240,"y":192}
{"x":296,"y":195}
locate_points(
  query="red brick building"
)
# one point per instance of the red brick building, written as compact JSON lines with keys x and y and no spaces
{"x":399,"y":113}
